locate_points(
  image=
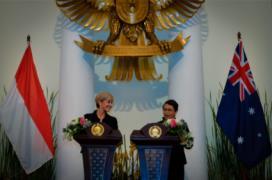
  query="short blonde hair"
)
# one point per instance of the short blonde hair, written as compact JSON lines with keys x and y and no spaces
{"x":103,"y":96}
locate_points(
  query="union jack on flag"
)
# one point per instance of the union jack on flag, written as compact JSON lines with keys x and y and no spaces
{"x":240,"y":73}
{"x":240,"y":114}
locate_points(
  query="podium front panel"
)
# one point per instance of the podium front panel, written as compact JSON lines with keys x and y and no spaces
{"x":97,"y":161}
{"x":154,"y":161}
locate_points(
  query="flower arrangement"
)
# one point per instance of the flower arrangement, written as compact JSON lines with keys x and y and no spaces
{"x":76,"y":126}
{"x":180,"y":128}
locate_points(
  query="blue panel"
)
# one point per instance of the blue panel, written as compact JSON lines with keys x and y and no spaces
{"x":154,"y":162}
{"x":99,"y":162}
{"x":98,"y":157}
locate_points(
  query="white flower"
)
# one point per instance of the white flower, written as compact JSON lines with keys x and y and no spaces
{"x":75,"y":121}
{"x":76,"y":126}
{"x":180,"y":128}
{"x":167,"y":122}
{"x":179,"y":122}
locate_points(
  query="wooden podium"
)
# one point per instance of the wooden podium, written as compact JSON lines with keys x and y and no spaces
{"x":98,"y":145}
{"x":154,"y":148}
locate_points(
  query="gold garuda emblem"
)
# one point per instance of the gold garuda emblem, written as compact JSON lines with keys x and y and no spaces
{"x":97,"y":129}
{"x":155,"y":131}
{"x":131,"y":24}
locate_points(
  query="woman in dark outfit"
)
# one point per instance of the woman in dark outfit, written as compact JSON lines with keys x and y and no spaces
{"x":177,"y":159}
{"x":104,"y":101}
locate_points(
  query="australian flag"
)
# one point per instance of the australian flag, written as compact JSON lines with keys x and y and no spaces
{"x":240,"y":113}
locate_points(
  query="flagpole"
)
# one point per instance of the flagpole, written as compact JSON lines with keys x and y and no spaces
{"x":28,"y":40}
{"x":239,"y":36}
{"x":244,"y":170}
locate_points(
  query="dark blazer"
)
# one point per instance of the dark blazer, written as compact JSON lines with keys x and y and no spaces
{"x":108,"y":119}
{"x":177,"y":161}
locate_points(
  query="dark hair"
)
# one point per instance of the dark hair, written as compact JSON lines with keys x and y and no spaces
{"x":173,"y":103}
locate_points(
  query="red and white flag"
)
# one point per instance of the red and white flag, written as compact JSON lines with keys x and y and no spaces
{"x":25,"y":117}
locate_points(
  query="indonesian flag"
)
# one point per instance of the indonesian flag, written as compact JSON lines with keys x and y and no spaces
{"x":25,"y":117}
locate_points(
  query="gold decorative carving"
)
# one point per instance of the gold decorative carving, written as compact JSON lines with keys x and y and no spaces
{"x":132,"y":23}
{"x":155,"y":131}
{"x":137,"y":50}
{"x":131,"y":11}
{"x":97,"y":129}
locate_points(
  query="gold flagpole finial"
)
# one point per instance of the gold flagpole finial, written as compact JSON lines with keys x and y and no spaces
{"x":28,"y":39}
{"x":239,"y":36}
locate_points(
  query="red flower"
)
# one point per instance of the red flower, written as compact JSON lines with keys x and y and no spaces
{"x":173,"y":123}
{"x":82,"y":121}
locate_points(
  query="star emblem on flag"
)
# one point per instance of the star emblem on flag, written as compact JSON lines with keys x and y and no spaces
{"x":240,"y":140}
{"x":251,"y":111}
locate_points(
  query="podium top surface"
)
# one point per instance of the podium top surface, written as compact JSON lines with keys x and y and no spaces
{"x":139,"y":138}
{"x":113,"y":138}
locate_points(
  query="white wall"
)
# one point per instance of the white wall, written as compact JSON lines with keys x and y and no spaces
{"x":18,"y":19}
{"x":225,"y":19}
